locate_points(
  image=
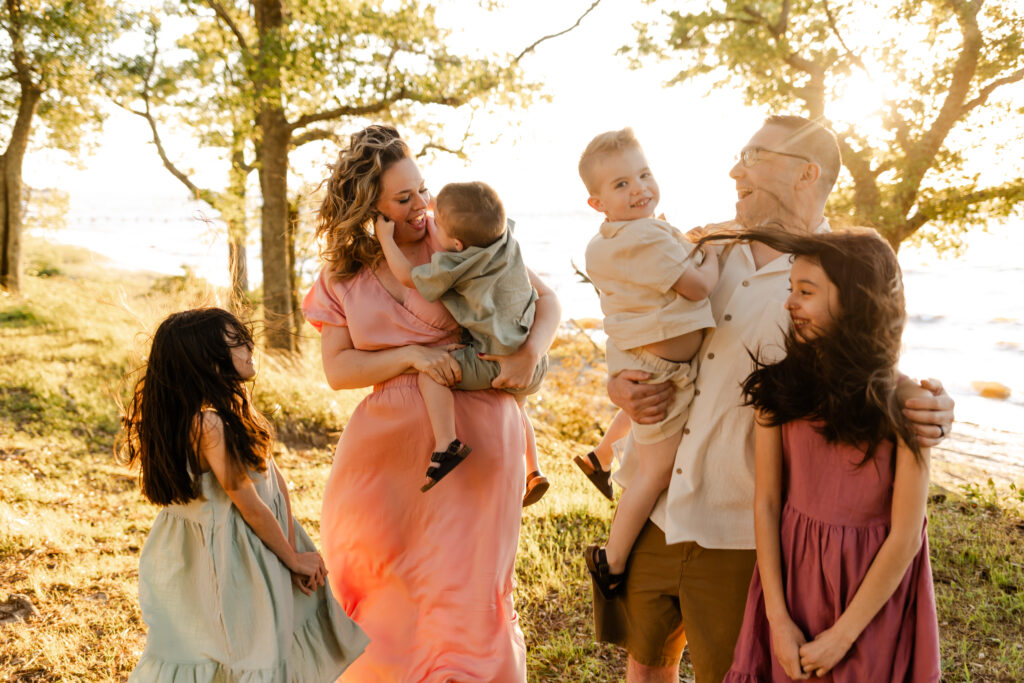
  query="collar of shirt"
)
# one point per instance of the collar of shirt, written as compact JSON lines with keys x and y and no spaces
{"x":610,"y":229}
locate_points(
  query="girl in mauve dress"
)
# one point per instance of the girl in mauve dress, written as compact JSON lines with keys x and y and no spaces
{"x":843,"y":587}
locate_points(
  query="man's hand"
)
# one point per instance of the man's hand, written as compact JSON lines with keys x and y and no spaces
{"x":929,"y":408}
{"x":644,"y":403}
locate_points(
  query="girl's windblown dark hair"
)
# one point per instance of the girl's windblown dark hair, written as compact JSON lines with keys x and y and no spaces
{"x":845,"y":378}
{"x":190,"y":370}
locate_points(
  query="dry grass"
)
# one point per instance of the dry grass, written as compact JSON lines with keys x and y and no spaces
{"x":72,"y":521}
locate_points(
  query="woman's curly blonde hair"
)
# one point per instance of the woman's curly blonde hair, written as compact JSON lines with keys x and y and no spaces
{"x":347,"y":211}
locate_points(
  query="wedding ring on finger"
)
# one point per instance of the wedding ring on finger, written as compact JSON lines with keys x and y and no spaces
{"x":942,"y":432}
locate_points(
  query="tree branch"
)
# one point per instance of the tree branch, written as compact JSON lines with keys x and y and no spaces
{"x":988,"y":89}
{"x":460,"y":152}
{"x":919,"y":158}
{"x":782,"y":25}
{"x":338,"y":112}
{"x":532,"y":46}
{"x":223,"y":15}
{"x":835,"y":30}
{"x":311,"y":136}
{"x":208,"y":196}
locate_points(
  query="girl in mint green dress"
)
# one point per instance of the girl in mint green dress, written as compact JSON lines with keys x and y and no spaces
{"x":231,"y":587}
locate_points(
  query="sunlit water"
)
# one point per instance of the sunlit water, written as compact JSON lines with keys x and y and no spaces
{"x":966,"y":315}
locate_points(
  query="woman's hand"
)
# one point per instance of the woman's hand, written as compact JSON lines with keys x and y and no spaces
{"x":929,"y":408}
{"x":516,"y":368}
{"x":436,"y":362}
{"x":644,"y":403}
{"x":787,"y":639}
{"x":821,"y":654}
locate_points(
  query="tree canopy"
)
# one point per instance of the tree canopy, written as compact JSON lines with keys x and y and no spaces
{"x":933,"y":150}
{"x":50,"y":52}
{"x":259,"y":79}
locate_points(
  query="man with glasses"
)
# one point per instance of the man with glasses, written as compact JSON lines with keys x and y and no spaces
{"x":690,"y":569}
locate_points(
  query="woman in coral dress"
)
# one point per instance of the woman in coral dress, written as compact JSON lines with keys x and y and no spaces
{"x":427,"y":575}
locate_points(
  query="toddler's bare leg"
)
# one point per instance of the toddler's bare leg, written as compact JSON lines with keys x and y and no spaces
{"x":440,"y":409}
{"x":654,"y":468}
{"x":618,"y":429}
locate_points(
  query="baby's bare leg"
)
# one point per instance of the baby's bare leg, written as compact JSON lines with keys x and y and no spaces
{"x":618,"y":429}
{"x":532,"y":464}
{"x":654,"y":468}
{"x":440,"y":409}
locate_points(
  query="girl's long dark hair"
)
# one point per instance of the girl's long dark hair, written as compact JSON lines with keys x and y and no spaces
{"x":847,"y":377}
{"x":190,"y":369}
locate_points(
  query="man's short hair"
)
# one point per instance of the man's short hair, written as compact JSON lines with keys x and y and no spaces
{"x":815,"y":141}
{"x":472,"y":213}
{"x":612,"y":142}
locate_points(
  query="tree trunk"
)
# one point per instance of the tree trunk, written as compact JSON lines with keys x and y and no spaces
{"x":235,"y":219}
{"x":277,"y":291}
{"x":10,"y":189}
{"x":273,"y":138}
{"x":298,"y":319}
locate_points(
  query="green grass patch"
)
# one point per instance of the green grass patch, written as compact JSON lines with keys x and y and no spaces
{"x":72,"y":522}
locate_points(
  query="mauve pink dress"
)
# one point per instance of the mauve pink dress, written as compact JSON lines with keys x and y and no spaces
{"x":835,"y":519}
{"x":428,"y":576}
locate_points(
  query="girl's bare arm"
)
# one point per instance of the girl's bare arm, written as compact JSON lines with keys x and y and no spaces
{"x":240,"y":489}
{"x":909,"y":499}
{"x":786,"y":636}
{"x":349,"y":368}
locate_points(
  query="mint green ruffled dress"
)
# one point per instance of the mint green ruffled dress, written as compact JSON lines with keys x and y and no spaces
{"x":220,"y":605}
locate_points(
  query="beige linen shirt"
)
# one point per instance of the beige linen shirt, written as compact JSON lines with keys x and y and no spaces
{"x":710,"y":497}
{"x":634,"y":265}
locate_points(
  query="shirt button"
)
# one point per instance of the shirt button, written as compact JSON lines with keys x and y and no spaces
{"x":686,"y":430}
{"x":728,"y":316}
{"x":711,"y":355}
{"x":679,"y":470}
{"x":746,"y":283}
{"x":696,"y":392}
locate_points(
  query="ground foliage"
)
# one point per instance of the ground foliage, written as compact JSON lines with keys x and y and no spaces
{"x":72,"y":522}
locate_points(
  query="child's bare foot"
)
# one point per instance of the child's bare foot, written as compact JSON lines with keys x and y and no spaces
{"x":443,"y":462}
{"x":536,"y":486}
{"x":598,"y":476}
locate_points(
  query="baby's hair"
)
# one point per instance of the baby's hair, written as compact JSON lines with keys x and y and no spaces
{"x":471,"y":212}
{"x":847,"y":377}
{"x":189,"y":370}
{"x":352,"y":192}
{"x":612,"y":142}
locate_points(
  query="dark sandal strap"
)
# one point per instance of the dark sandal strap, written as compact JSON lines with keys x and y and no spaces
{"x":443,"y":462}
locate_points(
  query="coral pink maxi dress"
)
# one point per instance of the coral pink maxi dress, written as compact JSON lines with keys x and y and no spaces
{"x":835,"y":519}
{"x":428,"y":576}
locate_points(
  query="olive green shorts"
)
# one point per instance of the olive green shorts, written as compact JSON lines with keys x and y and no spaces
{"x":676,"y":595}
{"x":478,"y":373}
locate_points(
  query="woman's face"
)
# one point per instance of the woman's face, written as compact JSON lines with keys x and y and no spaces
{"x":403,"y":199}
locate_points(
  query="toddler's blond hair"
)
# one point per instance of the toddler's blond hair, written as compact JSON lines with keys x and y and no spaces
{"x":612,"y":142}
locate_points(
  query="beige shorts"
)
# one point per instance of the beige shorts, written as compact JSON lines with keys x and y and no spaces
{"x":681,"y":375}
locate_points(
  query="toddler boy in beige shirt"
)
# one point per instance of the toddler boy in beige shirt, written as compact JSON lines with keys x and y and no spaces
{"x":654,"y":291}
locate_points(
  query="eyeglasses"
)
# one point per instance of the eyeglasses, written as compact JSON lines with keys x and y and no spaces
{"x":749,"y":156}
